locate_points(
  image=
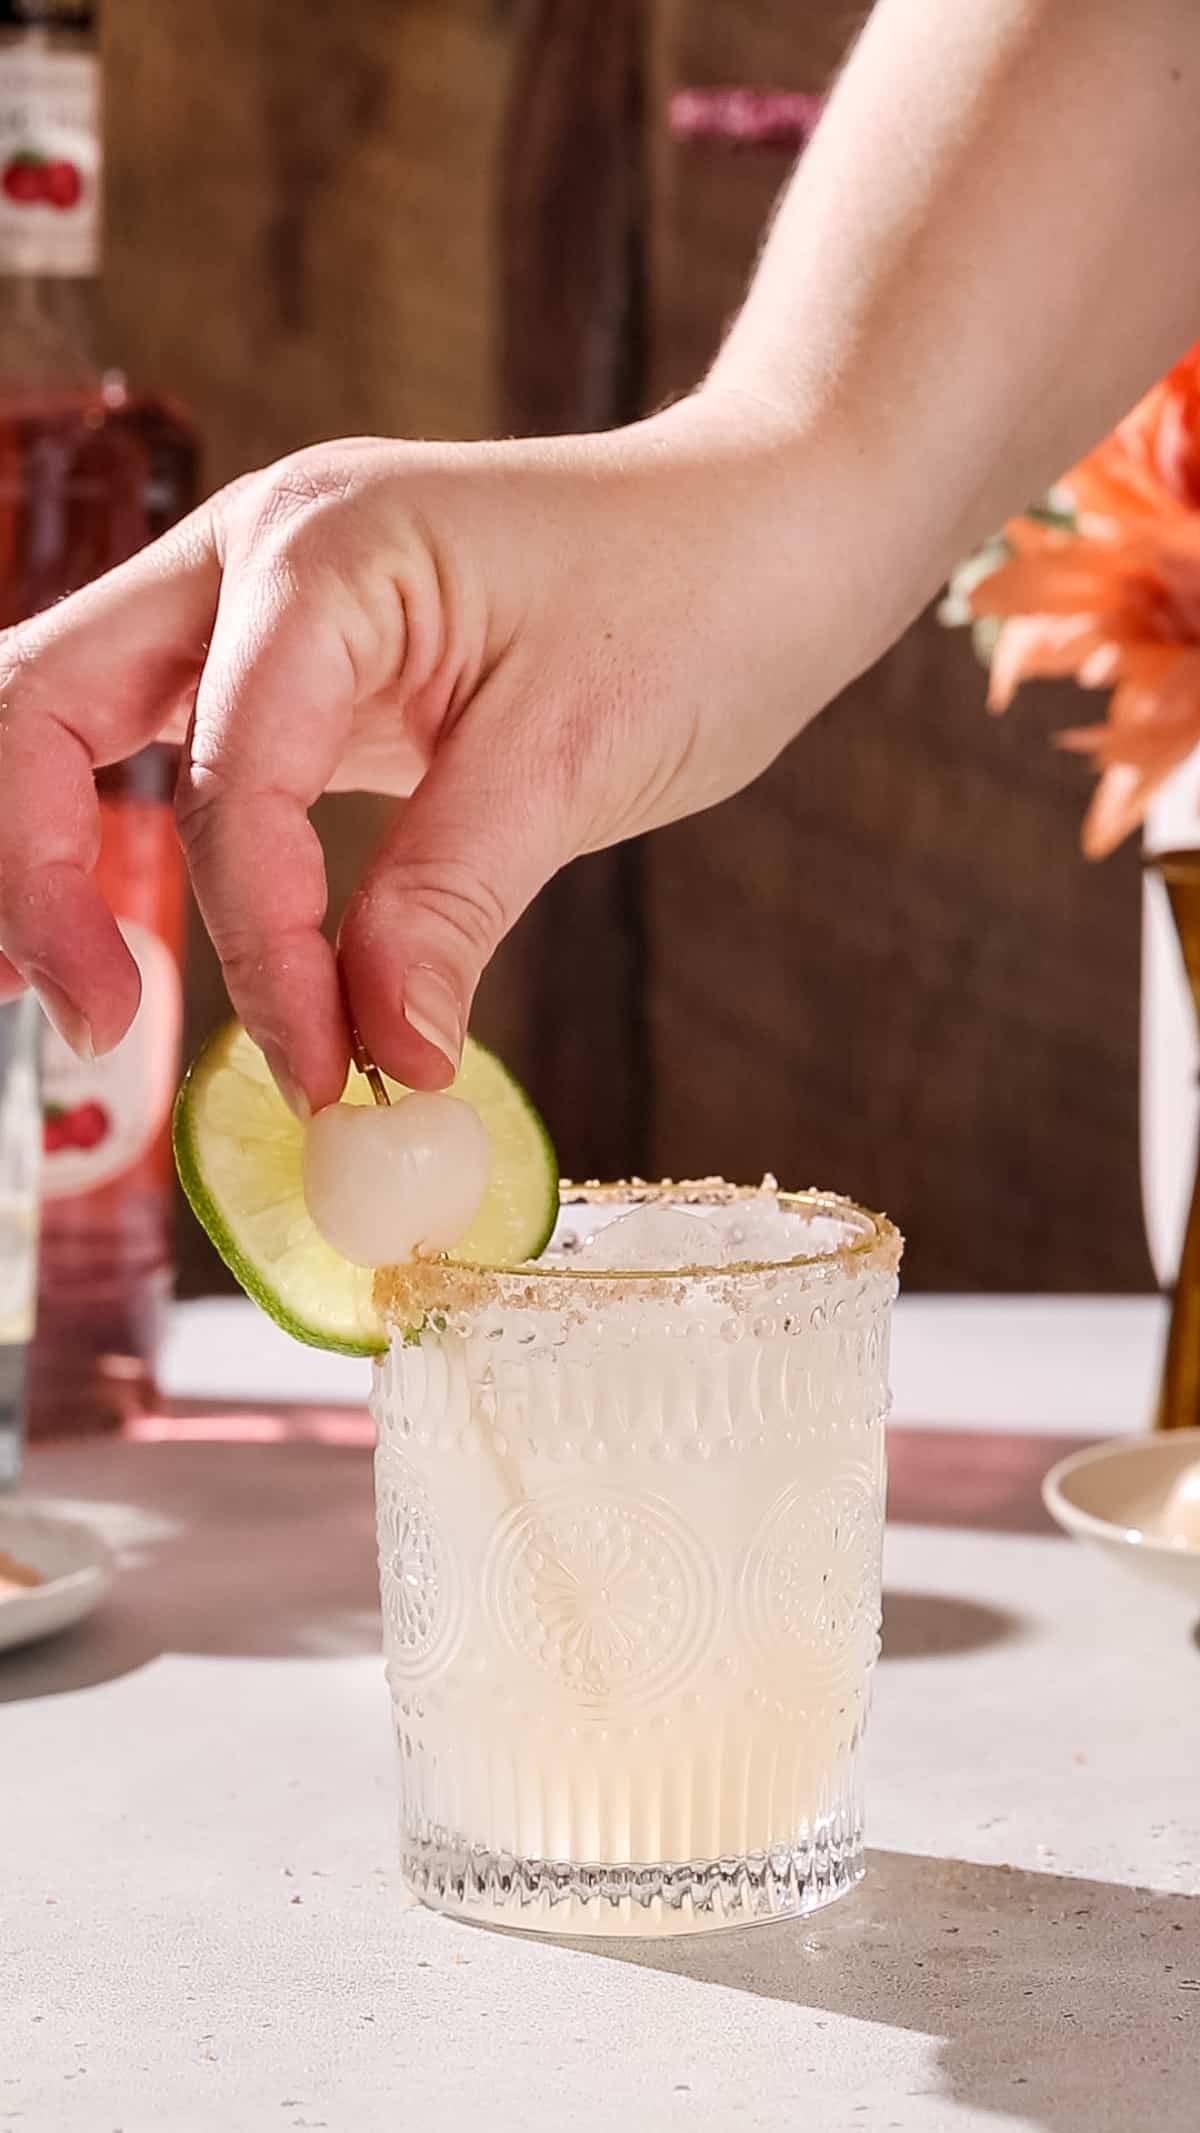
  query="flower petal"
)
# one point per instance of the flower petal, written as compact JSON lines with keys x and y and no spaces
{"x":1042,"y":646}
{"x":1117,"y":807}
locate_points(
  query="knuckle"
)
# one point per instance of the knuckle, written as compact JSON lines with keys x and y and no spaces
{"x":197,"y":790}
{"x":244,"y":968}
{"x":284,"y":505}
{"x":461,"y":902}
{"x":11,"y":661}
{"x":25,"y":698}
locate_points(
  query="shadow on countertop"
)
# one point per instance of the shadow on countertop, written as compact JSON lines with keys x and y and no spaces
{"x":248,"y":1550}
{"x":937,"y":1625}
{"x":1068,"y":2005}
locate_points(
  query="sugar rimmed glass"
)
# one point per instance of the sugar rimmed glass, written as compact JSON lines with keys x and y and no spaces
{"x":630,"y":1527}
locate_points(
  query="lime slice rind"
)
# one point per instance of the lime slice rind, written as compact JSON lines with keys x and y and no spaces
{"x":239,"y":1154}
{"x":520,"y":1206}
{"x":245,"y":1187}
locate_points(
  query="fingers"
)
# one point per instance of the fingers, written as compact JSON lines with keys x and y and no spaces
{"x":482,"y":834}
{"x":273,"y":710}
{"x":86,"y":684}
{"x":280,"y":615}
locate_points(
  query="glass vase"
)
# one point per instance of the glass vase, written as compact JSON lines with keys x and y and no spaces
{"x":1179,"y":1392}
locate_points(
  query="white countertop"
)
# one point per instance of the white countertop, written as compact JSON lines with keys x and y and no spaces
{"x":204,"y":1931}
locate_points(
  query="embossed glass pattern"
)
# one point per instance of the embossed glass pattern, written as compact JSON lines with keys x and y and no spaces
{"x":629,"y":1540}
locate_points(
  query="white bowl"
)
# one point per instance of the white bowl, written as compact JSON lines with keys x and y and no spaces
{"x":1139,"y":1499}
{"x":75,"y":1563}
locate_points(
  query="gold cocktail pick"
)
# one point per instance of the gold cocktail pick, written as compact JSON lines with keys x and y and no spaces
{"x":367,"y":1068}
{"x":362,"y":1060}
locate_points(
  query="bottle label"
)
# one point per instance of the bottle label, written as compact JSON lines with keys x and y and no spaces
{"x":49,"y":161}
{"x":99,"y":1117}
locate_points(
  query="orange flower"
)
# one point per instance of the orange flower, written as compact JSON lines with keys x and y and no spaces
{"x":1114,"y":599}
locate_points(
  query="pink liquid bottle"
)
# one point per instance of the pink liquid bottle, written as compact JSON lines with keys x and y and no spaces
{"x":89,"y":471}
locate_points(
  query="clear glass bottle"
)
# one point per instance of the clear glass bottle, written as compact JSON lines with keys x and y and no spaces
{"x":90,"y":470}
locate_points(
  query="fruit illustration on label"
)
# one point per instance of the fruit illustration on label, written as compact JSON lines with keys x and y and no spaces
{"x":61,"y":183}
{"x":83,"y":1126}
{"x":101,"y":1116}
{"x":29,"y":178}
{"x":22,"y":180}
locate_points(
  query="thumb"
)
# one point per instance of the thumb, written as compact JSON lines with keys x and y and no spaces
{"x":483,"y":832}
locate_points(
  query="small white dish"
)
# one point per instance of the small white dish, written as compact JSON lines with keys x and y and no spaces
{"x":76,"y":1566}
{"x":1138,"y":1498}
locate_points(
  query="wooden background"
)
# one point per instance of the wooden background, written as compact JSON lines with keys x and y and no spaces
{"x":885,"y":966}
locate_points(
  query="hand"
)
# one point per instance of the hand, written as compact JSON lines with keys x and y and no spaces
{"x":551,"y":646}
{"x":554,"y":645}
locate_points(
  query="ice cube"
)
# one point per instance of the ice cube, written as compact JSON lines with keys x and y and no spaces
{"x":651,"y":1240}
{"x":760,"y":1231}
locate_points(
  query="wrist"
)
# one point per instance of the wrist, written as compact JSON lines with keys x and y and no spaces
{"x":816,"y":518}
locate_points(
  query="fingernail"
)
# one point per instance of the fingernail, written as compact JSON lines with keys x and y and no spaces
{"x":432,"y":1010}
{"x":66,"y":1018}
{"x":286,"y":1083}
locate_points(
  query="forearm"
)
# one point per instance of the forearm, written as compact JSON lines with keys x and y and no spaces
{"x":986,"y":255}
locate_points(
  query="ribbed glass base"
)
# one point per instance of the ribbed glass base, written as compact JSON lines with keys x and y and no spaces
{"x":643,"y":1902}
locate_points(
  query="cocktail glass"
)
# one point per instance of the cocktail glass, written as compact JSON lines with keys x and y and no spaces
{"x":630,"y":1526}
